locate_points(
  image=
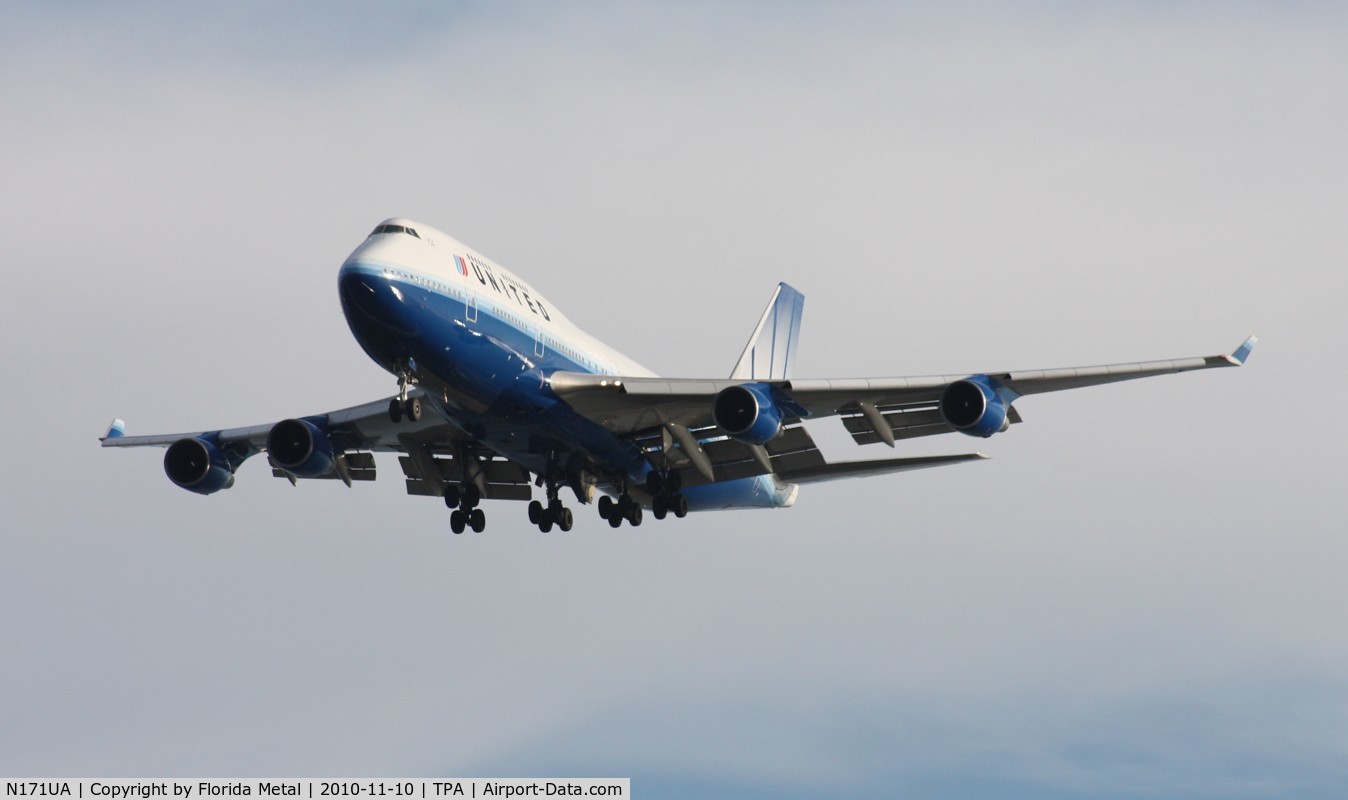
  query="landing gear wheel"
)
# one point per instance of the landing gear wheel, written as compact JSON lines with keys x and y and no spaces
{"x":674,"y":482}
{"x":471,"y":496}
{"x":395,"y":411}
{"x":625,"y":504}
{"x":457,"y":522}
{"x":545,"y":526}
{"x":565,"y":519}
{"x":605,"y":507}
{"x":477,"y":518}
{"x":412,"y":409}
{"x":680,"y":506}
{"x":535,"y":512}
{"x":451,"y":496}
{"x":659,"y":506}
{"x":614,"y":520}
{"x":634,"y":516}
{"x":655,"y":483}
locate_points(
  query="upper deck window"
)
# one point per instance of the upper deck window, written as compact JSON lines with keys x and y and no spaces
{"x":395,"y":229}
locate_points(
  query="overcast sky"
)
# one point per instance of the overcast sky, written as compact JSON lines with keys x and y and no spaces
{"x":1140,"y":595}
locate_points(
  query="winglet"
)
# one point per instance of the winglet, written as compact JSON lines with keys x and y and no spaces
{"x":1243,"y":352}
{"x":115,"y":431}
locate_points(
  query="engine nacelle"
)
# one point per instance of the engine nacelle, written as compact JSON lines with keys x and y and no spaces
{"x":748,"y":412}
{"x":301,"y":448}
{"x":198,"y":466}
{"x":973,"y":406}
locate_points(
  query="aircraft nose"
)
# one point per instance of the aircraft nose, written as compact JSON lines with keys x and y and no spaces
{"x":371,"y":299}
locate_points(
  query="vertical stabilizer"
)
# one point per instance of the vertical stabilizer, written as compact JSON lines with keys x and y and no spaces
{"x":771,"y":348}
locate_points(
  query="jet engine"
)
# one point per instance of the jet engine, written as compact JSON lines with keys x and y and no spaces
{"x":974,"y":407}
{"x":301,"y":448}
{"x":748,"y":412}
{"x":197,"y":465}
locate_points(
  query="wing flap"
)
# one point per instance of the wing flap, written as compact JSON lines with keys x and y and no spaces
{"x":908,"y":424}
{"x":495,"y":491}
{"x":501,"y":479}
{"x":728,"y":458}
{"x":350,"y":467}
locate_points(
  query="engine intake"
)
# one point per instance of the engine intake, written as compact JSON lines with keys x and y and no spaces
{"x":198,"y":466}
{"x":974,"y":407}
{"x":301,"y":448}
{"x":748,"y":412}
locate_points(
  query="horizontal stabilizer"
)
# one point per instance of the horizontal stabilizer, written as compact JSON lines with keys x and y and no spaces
{"x":881,"y":466}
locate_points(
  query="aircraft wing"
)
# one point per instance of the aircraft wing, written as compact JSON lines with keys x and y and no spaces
{"x":873,"y":409}
{"x":362,"y":427}
{"x":433,"y":452}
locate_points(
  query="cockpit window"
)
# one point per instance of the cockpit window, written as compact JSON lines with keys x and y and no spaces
{"x":395,"y":229}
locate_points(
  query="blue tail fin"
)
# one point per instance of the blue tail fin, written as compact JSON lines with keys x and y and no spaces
{"x":771,"y":348}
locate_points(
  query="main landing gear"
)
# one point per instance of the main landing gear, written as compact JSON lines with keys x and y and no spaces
{"x":402,"y":405}
{"x":464,"y":500}
{"x":665,"y":489}
{"x":666,"y":494}
{"x":624,"y":509}
{"x":554,"y":513}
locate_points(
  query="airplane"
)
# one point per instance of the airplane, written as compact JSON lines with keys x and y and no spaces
{"x":499,"y":394}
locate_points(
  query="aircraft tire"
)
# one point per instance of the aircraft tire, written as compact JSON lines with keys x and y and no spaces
{"x":565,"y":519}
{"x":413,"y":409}
{"x":680,"y":506}
{"x":395,"y":411}
{"x":605,"y":507}
{"x":659,"y":506}
{"x":545,"y":525}
{"x":634,"y":516}
{"x":477,"y":518}
{"x":456,"y":522}
{"x":535,"y":512}
{"x":451,"y":496}
{"x":471,"y":496}
{"x":614,"y":520}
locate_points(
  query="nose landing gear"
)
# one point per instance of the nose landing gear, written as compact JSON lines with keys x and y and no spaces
{"x":402,"y":405}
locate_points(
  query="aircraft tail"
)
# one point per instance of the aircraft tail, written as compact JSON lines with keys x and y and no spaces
{"x":772,"y":347}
